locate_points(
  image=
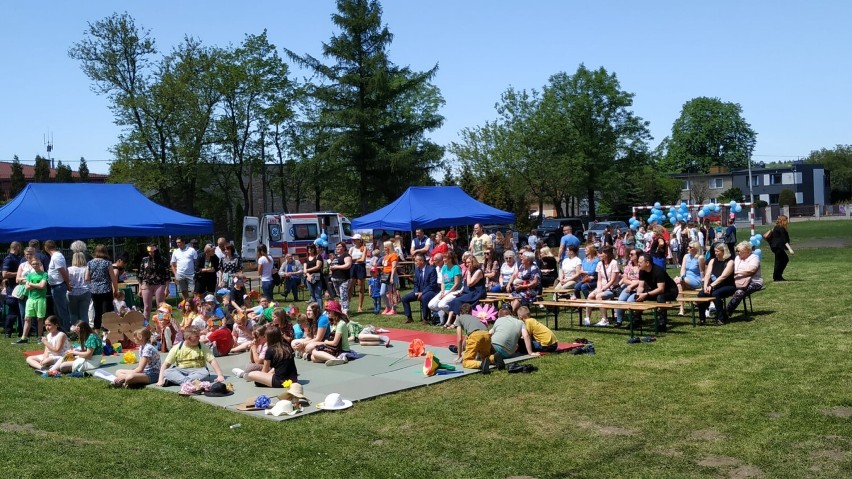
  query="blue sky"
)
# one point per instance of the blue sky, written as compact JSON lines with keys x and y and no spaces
{"x":787,"y":63}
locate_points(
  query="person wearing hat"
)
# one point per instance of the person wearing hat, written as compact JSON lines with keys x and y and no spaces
{"x":153,"y":279}
{"x":183,"y":267}
{"x":188,"y":361}
{"x":332,"y":351}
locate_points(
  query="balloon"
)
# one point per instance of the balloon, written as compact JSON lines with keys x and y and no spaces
{"x":679,"y":216}
{"x":717,"y":207}
{"x":758,"y":252}
{"x":702,"y":214}
{"x":738,"y":208}
{"x":318,"y":241}
{"x":732,"y":204}
{"x":657,"y":204}
{"x":733,"y":215}
{"x":325,"y":243}
{"x":324,"y":236}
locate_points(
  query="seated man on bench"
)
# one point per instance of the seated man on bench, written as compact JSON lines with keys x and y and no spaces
{"x":426,"y":286}
{"x":655,"y":285}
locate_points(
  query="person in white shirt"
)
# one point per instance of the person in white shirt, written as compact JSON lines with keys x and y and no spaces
{"x":60,"y":283}
{"x":183,"y":267}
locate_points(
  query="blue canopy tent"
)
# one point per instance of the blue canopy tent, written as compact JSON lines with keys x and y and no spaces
{"x":432,"y":207}
{"x":61,"y":211}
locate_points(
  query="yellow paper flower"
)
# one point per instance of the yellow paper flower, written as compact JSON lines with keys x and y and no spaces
{"x":287,"y":384}
{"x":129,"y":357}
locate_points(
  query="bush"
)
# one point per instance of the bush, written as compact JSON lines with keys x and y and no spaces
{"x":787,"y":198}
{"x":734,"y":193}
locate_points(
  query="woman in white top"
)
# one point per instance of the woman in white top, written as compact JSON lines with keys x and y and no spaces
{"x":569,"y":272}
{"x":507,"y":269}
{"x":55,"y":345}
{"x":608,"y":278}
{"x":80,"y":295}
{"x":358,"y":253}
{"x":264,"y":267}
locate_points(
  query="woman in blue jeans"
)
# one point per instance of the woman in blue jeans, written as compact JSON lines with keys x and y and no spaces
{"x":718,"y":283}
{"x":264,"y":269}
{"x":313,"y":270}
{"x":588,"y":276}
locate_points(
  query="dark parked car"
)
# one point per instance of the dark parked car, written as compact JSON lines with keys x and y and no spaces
{"x":550,"y":230}
{"x":599,"y":227}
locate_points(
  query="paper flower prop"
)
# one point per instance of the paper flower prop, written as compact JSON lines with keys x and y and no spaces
{"x":254,"y":294}
{"x":287,"y":384}
{"x":229,"y":387}
{"x":68,"y":356}
{"x":431,"y":365}
{"x":129,"y":358}
{"x":485,"y":313}
{"x":262,"y":402}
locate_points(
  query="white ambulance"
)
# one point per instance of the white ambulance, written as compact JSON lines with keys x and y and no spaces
{"x":292,"y":233}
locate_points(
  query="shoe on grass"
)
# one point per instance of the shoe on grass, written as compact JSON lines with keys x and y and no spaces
{"x":485,"y":367}
{"x":602,"y":323}
{"x":499,"y":362}
{"x":21,"y":341}
{"x":587,"y":322}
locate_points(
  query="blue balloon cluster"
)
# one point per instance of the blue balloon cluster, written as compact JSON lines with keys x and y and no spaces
{"x":322,"y":241}
{"x":708,"y":209}
{"x":634,"y":223}
{"x":678,"y":213}
{"x":755,"y":242}
{"x":735,"y":207}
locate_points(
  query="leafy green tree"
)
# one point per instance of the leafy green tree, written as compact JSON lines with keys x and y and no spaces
{"x":166,"y":106}
{"x":41,"y":173}
{"x":377,"y":112}
{"x":838,"y":161}
{"x":709,"y":132}
{"x":83,"y":170}
{"x":734,"y":193}
{"x":787,"y":198}
{"x":63,"y":173}
{"x":252,"y":79}
{"x":17,"y":181}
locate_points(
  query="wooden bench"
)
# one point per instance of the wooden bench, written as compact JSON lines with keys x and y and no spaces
{"x":694,"y":301}
{"x":576,"y":304}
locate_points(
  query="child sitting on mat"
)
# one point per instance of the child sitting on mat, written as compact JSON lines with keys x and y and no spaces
{"x":242,"y":333}
{"x":148,"y":369}
{"x":257,"y":353}
{"x":56,"y":344}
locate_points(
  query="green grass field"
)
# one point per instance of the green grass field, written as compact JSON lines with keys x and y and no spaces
{"x":768,"y":397}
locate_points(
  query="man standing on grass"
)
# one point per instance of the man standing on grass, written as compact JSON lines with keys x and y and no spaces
{"x":532,"y":240}
{"x":479,"y":243}
{"x":568,"y":239}
{"x":60,"y":283}
{"x":183,"y":267}
{"x":421,"y":244}
{"x":655,"y":285}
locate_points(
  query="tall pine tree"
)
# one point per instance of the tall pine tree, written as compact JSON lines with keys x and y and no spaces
{"x":377,"y":111}
{"x":63,"y":173}
{"x":17,"y":181}
{"x":83,"y":170}
{"x":42,"y":170}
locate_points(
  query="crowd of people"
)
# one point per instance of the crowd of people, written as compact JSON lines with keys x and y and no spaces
{"x":219,"y":315}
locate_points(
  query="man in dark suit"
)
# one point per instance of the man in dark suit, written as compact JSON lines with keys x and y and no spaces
{"x":425,"y":288}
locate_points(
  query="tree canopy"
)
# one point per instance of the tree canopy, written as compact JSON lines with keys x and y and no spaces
{"x":376,"y":114}
{"x":838,"y":161}
{"x":709,"y":132}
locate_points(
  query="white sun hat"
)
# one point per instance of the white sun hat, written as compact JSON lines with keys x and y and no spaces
{"x":334,"y":402}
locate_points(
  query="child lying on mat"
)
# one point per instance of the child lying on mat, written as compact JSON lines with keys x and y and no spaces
{"x":541,"y":337}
